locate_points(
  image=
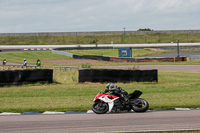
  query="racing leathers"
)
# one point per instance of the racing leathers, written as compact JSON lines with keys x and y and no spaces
{"x":117,"y":90}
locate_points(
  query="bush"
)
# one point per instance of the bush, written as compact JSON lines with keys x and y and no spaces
{"x":146,"y":29}
{"x":86,"y":65}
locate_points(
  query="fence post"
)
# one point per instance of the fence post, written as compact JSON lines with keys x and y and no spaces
{"x":177,"y":48}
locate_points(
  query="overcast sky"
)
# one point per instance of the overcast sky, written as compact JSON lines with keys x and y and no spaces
{"x":18,"y":16}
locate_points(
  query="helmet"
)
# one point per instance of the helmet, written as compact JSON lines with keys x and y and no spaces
{"x":109,"y":85}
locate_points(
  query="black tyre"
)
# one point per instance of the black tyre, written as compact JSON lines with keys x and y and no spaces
{"x":100,"y":108}
{"x":140,"y":105}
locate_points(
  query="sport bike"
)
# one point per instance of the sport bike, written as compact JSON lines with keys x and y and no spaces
{"x":106,"y":103}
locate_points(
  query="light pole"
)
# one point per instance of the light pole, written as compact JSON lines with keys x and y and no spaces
{"x":124,"y":31}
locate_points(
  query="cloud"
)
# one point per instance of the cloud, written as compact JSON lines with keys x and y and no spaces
{"x":97,"y":15}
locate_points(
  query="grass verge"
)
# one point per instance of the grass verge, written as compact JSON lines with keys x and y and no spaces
{"x":174,"y":89}
{"x":101,"y":39}
{"x":44,"y":56}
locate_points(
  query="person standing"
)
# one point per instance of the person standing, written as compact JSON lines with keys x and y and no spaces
{"x":24,"y":62}
{"x":38,"y":62}
{"x":4,"y":61}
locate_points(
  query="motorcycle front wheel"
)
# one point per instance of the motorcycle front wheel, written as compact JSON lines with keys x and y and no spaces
{"x":100,"y":108}
{"x":140,"y":105}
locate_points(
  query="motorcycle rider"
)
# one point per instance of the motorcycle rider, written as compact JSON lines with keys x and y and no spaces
{"x":118,"y":90}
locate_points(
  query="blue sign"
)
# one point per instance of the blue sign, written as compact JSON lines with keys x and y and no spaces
{"x":125,"y":52}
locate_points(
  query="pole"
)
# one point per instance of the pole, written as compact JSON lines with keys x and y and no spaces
{"x":177,"y":48}
{"x":124,"y":31}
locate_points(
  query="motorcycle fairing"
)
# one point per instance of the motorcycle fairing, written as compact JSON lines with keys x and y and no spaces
{"x":99,"y":95}
{"x":107,"y":99}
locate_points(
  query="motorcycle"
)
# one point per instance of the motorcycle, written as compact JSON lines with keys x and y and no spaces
{"x":112,"y":102}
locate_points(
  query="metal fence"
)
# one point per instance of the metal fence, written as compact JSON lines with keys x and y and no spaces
{"x":107,"y":37}
{"x":96,"y":33}
{"x":194,"y":57}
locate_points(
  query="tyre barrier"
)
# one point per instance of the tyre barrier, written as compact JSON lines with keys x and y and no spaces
{"x":92,"y":57}
{"x":117,"y":75}
{"x":16,"y":77}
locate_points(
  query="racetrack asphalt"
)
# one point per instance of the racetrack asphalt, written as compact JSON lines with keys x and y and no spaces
{"x":116,"y":122}
{"x":174,"y":54}
{"x":162,"y":67}
{"x":158,"y":67}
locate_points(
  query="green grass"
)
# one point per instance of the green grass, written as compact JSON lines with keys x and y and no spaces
{"x":135,"y":52}
{"x":101,"y":39}
{"x":114,"y":52}
{"x":32,"y":56}
{"x":174,"y":89}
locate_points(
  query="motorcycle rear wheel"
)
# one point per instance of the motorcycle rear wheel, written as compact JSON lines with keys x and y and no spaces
{"x":100,"y":108}
{"x":140,"y":105}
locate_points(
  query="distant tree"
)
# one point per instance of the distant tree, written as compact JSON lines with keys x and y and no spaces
{"x":146,"y":29}
{"x":94,"y":41}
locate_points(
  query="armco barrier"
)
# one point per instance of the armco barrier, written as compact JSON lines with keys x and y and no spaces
{"x":117,"y":75}
{"x":79,"y":47}
{"x":8,"y":77}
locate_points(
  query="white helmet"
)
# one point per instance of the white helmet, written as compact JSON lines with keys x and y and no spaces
{"x":109,"y":84}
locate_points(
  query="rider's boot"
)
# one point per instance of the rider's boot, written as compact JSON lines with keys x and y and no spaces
{"x":125,"y":99}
